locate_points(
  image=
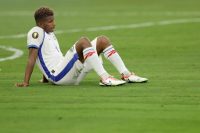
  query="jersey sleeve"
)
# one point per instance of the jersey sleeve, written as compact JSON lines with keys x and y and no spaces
{"x":35,"y":37}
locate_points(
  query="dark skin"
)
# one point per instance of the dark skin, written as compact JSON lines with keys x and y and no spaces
{"x":48,"y":24}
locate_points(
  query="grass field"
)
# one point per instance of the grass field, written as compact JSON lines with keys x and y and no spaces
{"x":158,"y":39}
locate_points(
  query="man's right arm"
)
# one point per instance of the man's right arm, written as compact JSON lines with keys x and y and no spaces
{"x":33,"y":53}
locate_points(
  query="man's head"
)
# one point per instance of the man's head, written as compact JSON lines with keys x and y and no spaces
{"x":44,"y":18}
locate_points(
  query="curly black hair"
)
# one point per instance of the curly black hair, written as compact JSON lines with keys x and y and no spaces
{"x":42,"y":13}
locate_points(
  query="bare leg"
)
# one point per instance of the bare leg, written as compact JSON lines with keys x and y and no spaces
{"x":102,"y":43}
{"x":88,"y":55}
{"x":82,"y":43}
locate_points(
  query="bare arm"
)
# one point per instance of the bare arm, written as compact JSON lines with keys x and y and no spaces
{"x":29,"y":67}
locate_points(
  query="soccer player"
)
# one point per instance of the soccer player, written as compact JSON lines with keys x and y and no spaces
{"x":82,"y":57}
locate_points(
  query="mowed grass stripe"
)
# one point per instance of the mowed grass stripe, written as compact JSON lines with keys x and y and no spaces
{"x":167,"y":55}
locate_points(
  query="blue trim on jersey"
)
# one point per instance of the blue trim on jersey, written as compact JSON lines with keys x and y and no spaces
{"x":67,"y":68}
{"x":63,"y":72}
{"x":33,"y":46}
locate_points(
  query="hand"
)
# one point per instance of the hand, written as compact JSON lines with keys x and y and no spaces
{"x":23,"y":84}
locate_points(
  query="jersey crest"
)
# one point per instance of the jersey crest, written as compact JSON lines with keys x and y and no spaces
{"x":35,"y":35}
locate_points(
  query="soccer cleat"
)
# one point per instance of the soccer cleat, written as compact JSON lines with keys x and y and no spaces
{"x":110,"y":81}
{"x":133,"y":78}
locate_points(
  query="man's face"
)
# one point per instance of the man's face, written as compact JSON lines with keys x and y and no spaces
{"x":48,"y":24}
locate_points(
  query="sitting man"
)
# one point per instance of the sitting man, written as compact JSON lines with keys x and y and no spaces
{"x":82,"y":57}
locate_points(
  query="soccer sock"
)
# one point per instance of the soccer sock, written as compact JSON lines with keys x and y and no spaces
{"x":91,"y":57}
{"x":111,"y":54}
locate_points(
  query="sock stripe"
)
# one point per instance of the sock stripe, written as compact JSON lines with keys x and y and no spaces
{"x":108,"y":49}
{"x":88,"y":49}
{"x":88,"y":52}
{"x":86,"y":55}
{"x":111,"y":53}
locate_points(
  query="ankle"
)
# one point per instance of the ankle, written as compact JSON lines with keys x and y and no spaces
{"x":127,"y":73}
{"x":104,"y":76}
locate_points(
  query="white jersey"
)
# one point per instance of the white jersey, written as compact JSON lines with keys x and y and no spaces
{"x":57,"y":68}
{"x":49,"y":53}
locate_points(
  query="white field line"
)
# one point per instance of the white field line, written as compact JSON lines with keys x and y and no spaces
{"x":17,"y":53}
{"x":109,"y":14}
{"x":116,"y":27}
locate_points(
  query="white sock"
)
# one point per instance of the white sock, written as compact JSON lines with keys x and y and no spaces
{"x":93,"y":60}
{"x":111,"y":54}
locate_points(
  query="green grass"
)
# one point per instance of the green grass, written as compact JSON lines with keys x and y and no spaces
{"x":168,"y":55}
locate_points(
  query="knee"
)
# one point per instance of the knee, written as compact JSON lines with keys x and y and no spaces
{"x":84,"y":40}
{"x":103,"y":40}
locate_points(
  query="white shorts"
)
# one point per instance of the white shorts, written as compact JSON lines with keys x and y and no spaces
{"x":73,"y":69}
